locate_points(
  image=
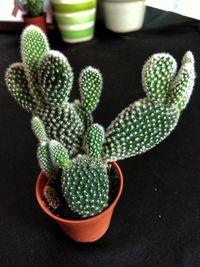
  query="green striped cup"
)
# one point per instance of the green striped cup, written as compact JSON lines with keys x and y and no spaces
{"x":75,"y":19}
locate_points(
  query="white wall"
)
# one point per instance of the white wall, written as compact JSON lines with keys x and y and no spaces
{"x":188,"y":8}
{"x":6,"y":8}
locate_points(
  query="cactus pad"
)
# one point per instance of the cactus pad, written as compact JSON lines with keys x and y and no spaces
{"x":139,"y":128}
{"x":34,"y":45}
{"x":18,"y":86}
{"x":90,"y":83}
{"x":63,"y":125}
{"x":94,"y":141}
{"x":182,"y":86}
{"x":85,"y":186}
{"x":157,"y":74}
{"x":55,"y":78}
{"x":59,"y":154}
{"x":45,"y":161}
{"x":38,"y":129}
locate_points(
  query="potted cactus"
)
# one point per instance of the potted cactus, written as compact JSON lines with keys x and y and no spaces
{"x":80,"y":182}
{"x":34,"y":12}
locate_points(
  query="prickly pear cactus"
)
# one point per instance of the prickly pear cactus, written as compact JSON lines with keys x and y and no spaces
{"x":85,"y":182}
{"x":157,"y":75}
{"x":51,"y":154}
{"x":145,"y":123}
{"x":32,"y":7}
{"x":85,"y":186}
{"x":42,"y":84}
{"x":182,"y":86}
{"x":138,"y":128}
{"x":90,"y":82}
{"x":95,"y":140}
{"x":69,"y":141}
{"x":62,"y":124}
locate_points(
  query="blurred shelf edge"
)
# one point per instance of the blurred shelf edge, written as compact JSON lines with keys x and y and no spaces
{"x":155,"y":19}
{"x":16,"y":26}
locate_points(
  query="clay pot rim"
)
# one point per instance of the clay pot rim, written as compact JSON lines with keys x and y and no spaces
{"x":58,"y":219}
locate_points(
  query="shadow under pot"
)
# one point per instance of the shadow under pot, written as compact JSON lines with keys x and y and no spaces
{"x":123,"y":16}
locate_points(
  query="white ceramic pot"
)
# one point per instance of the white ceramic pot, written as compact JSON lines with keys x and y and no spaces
{"x":123,"y":16}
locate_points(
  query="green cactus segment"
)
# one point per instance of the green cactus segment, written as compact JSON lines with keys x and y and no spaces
{"x":63,"y":125}
{"x":59,"y":154}
{"x":38,"y":129}
{"x":18,"y":86}
{"x":157,"y":74}
{"x":55,"y":78}
{"x":32,"y":7}
{"x":183,"y":84}
{"x":188,"y":58}
{"x":43,"y":151}
{"x":45,"y":161}
{"x":90,"y":83}
{"x":138,"y":128}
{"x":33,"y":45}
{"x":86,"y":186}
{"x":95,"y":139}
{"x":85,"y":117}
{"x":35,"y":7}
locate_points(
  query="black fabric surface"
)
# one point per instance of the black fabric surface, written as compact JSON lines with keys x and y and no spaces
{"x":157,"y":18}
{"x":157,"y":220}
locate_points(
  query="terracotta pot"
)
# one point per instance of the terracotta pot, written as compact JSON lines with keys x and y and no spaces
{"x":39,"y":21}
{"x":88,"y":230}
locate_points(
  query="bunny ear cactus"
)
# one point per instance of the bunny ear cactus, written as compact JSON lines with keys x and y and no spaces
{"x":21,"y":78}
{"x":90,"y":86}
{"x":69,"y":141}
{"x":138,"y":128}
{"x":148,"y":121}
{"x":51,"y":154}
{"x":95,"y":140}
{"x":59,"y":154}
{"x":182,"y":86}
{"x":157,"y":75}
{"x":43,"y":152}
{"x":32,"y":7}
{"x":55,"y":77}
{"x":34,"y":45}
{"x":90,"y":83}
{"x":39,"y":130}
{"x":42,"y":84}
{"x":18,"y":86}
{"x":85,"y":182}
{"x":85,"y":186}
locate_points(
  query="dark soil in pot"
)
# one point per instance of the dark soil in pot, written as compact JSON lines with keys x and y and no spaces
{"x":57,"y":204}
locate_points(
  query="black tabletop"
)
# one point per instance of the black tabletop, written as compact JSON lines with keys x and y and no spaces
{"x":157,"y":220}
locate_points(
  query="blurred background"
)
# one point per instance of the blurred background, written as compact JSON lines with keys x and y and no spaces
{"x":117,"y":15}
